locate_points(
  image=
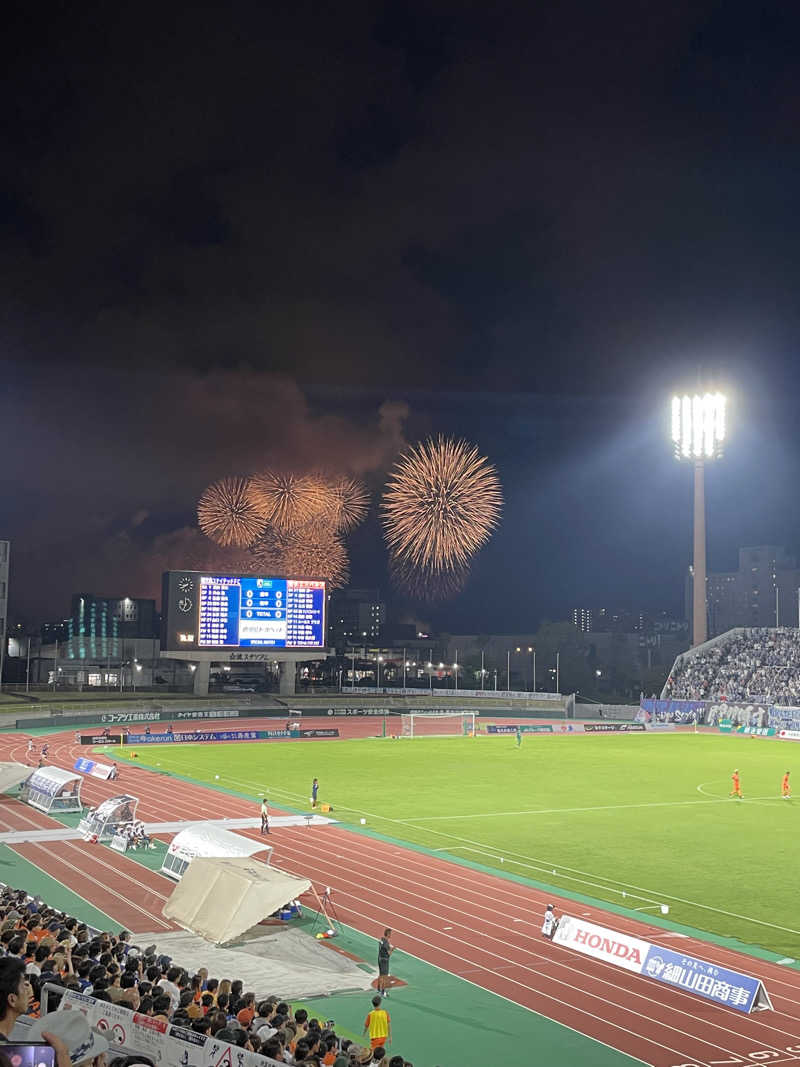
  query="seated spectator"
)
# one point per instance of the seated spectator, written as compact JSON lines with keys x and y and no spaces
{"x":169,"y":985}
{"x":15,"y":993}
{"x":162,"y":1007}
{"x":247,"y":1010}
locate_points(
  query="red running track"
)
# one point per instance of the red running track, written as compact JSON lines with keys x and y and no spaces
{"x":476,"y":925}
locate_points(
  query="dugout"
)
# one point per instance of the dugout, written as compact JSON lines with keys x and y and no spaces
{"x":107,"y":819}
{"x":207,"y":841}
{"x":53,"y":789}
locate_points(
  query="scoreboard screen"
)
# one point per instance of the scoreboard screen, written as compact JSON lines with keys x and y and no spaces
{"x":238,"y":611}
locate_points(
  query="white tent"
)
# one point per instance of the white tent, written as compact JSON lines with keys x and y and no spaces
{"x":220,"y":899}
{"x":104,"y":821}
{"x":11,"y":774}
{"x":53,"y":789}
{"x":205,"y":840}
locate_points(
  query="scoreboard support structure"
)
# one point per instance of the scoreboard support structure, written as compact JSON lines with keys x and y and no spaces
{"x":287,"y":664}
{"x":242,"y":618}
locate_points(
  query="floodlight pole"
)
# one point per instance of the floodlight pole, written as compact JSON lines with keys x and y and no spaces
{"x":699,"y":619}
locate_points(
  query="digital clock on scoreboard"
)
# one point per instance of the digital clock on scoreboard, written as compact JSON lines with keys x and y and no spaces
{"x":232,"y":611}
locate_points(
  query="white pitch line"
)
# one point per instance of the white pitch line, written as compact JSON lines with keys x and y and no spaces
{"x":741,"y":800}
{"x":562,"y":811}
{"x":517,"y":856}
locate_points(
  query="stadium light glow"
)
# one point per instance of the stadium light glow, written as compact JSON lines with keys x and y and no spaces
{"x":699,"y":432}
{"x":698,"y":426}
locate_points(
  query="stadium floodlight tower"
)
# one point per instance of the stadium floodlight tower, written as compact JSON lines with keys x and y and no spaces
{"x":698,"y":436}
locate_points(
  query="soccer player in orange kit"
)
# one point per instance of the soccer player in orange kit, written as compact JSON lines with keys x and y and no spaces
{"x":786,"y":789}
{"x":737,"y":789}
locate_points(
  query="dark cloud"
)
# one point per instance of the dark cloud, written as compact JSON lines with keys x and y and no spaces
{"x":113,"y":466}
{"x":210,"y":217}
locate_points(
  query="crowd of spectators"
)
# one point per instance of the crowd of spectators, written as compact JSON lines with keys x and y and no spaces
{"x":39,"y":945}
{"x":759,"y":665}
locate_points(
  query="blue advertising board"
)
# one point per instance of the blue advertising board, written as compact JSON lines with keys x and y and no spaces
{"x":685,"y":711}
{"x":206,"y":735}
{"x":738,"y":991}
{"x":84,"y":765}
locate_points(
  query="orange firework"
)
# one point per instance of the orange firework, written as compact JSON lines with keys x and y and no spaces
{"x":287,"y":500}
{"x":309,"y":551}
{"x":349,"y":502}
{"x":226,"y":513}
{"x":424,"y":584}
{"x":441,"y":503}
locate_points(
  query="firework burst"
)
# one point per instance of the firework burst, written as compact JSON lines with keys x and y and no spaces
{"x":287,"y":500}
{"x":441,"y":503}
{"x":227,"y":514}
{"x":424,"y":584}
{"x":311,"y":550}
{"x":348,"y":502}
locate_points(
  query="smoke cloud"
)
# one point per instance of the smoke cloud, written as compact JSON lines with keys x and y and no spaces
{"x":103,"y":469}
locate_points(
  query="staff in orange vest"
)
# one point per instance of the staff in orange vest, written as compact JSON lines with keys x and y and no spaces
{"x":786,"y":789}
{"x":737,"y":789}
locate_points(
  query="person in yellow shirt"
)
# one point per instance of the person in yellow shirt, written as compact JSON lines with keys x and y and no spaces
{"x":379,"y":1025}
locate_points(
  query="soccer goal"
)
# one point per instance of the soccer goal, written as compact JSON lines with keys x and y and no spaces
{"x":438,"y":724}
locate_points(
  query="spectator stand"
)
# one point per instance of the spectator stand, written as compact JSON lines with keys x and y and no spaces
{"x":108,"y":819}
{"x":52,"y":789}
{"x":131,"y":1034}
{"x":756,"y":666}
{"x":207,"y":841}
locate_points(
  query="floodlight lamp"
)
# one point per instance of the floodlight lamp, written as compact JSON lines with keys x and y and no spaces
{"x":698,"y":426}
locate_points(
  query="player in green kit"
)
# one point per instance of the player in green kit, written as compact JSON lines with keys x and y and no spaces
{"x":519,"y":736}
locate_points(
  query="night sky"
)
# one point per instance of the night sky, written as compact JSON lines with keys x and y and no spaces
{"x":242,"y":234}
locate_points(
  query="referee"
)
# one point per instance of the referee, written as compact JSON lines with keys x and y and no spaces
{"x":385,"y":949}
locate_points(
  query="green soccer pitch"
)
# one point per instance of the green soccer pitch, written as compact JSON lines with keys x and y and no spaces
{"x":639,"y":820}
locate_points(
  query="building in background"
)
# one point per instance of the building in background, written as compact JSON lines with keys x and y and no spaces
{"x":762,"y":592}
{"x":101,"y":626}
{"x":582,"y":619}
{"x":355,"y":617}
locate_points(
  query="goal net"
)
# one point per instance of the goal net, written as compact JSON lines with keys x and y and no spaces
{"x":438,"y":724}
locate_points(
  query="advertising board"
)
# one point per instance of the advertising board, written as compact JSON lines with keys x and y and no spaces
{"x":613,"y":727}
{"x":699,"y":977}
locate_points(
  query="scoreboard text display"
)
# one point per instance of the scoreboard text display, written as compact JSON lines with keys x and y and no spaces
{"x":237,"y":611}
